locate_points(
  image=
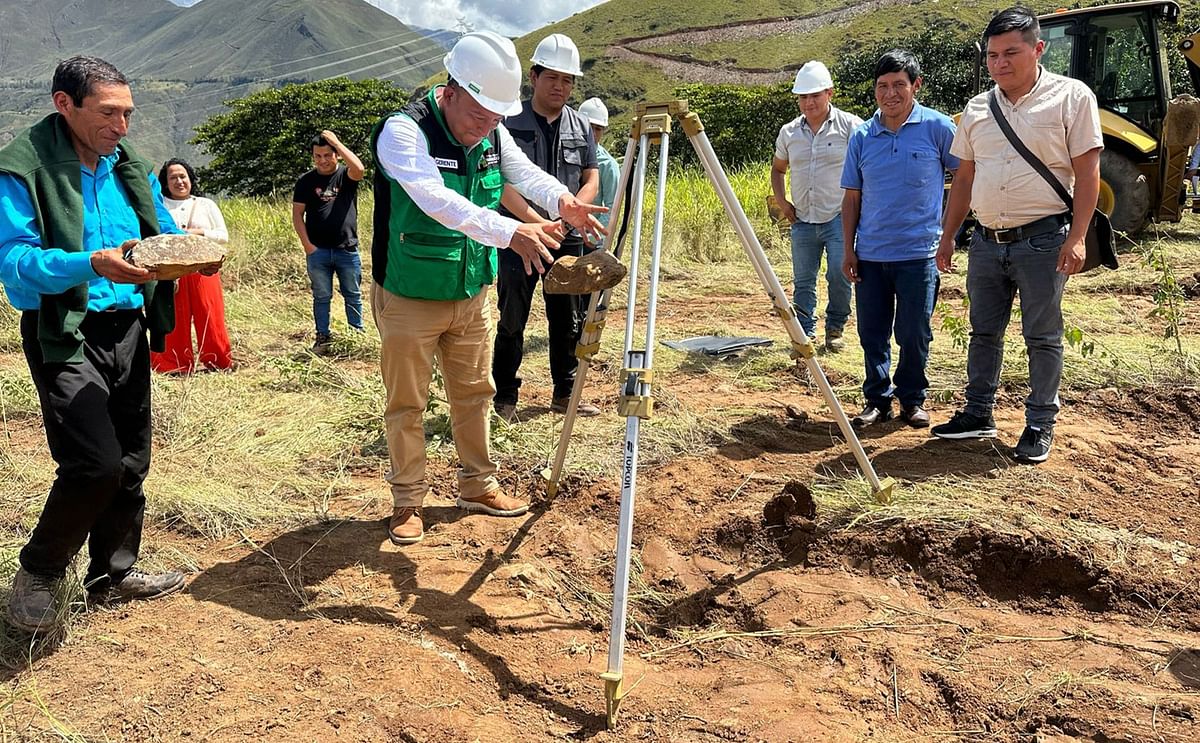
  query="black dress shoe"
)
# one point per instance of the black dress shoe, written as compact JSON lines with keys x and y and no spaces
{"x":915,"y":416}
{"x":870,"y":416}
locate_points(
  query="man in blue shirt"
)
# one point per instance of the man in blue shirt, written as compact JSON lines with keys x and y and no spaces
{"x":891,"y":213}
{"x":610,"y":170}
{"x":73,"y":197}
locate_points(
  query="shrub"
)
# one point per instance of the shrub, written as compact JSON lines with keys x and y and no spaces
{"x":261,"y":146}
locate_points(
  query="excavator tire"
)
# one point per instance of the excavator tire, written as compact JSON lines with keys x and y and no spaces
{"x":1130,"y":200}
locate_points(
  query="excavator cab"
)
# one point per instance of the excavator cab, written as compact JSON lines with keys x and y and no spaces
{"x":1118,"y":51}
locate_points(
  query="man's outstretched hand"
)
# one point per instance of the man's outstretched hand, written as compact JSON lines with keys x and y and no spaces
{"x":581,"y":216}
{"x":533,"y":241}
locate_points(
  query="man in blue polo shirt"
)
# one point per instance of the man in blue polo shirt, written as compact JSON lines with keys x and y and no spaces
{"x":891,"y":213}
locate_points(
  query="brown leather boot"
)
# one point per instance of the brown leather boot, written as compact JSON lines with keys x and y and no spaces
{"x":405,"y":526}
{"x":494,"y":503}
{"x":583,"y":410}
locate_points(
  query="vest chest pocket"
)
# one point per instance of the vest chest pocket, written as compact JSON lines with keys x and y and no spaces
{"x":574,"y":151}
{"x":491,"y":186}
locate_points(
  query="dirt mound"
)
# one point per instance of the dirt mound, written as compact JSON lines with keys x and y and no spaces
{"x":1032,"y":571}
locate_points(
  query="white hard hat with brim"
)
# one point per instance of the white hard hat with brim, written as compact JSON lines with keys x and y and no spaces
{"x":813,"y":77}
{"x":486,"y":65}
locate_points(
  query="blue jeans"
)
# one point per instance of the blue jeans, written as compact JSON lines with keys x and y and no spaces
{"x":809,"y":243}
{"x":995,"y":275}
{"x":323,"y":263}
{"x":897,"y":295}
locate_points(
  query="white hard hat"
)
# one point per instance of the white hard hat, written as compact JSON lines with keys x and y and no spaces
{"x":595,"y":111}
{"x":813,"y":77}
{"x":487,"y":66}
{"x":557,"y":52}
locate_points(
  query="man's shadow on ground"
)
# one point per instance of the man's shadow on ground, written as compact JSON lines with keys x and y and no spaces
{"x":278,"y":580}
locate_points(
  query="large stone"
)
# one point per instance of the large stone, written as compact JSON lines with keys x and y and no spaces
{"x":172,"y":256}
{"x":591,"y":273}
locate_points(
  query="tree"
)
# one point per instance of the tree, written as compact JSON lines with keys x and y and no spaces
{"x":262,"y":144}
{"x":947,"y":59}
{"x":741,"y":122}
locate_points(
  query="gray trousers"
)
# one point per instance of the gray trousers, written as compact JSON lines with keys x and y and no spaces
{"x":995,"y":275}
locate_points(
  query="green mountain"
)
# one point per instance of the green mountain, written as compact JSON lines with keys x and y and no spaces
{"x":184,"y":62}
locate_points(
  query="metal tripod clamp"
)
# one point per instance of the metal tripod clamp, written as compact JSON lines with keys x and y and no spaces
{"x":631,"y":403}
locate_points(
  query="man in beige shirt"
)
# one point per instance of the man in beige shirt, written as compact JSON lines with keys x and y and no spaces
{"x":1028,"y":241}
{"x":813,"y":148}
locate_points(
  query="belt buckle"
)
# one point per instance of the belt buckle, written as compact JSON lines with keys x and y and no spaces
{"x":1002,"y":236}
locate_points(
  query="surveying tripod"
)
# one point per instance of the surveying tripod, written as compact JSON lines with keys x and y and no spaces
{"x":652,"y":125}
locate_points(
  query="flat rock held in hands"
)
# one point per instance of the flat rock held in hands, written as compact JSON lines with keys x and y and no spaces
{"x":172,"y":256}
{"x":583,"y":275}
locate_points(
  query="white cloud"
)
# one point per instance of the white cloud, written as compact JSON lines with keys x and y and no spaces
{"x":508,"y":18}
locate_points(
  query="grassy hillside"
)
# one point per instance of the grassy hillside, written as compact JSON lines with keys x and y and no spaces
{"x":185,"y":62}
{"x":622,"y":83}
{"x":806,"y":29}
{"x":36,"y":35}
{"x":227,"y":39}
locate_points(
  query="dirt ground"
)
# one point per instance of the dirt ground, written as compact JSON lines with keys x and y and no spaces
{"x":752,"y":622}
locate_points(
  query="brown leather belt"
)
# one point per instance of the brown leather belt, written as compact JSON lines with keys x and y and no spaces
{"x":1025,"y":231}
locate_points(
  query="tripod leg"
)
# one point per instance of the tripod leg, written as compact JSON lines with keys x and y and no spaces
{"x":593,"y":326}
{"x":801,"y":345}
{"x":636,"y":404}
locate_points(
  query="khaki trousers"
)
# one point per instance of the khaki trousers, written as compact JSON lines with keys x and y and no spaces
{"x":458,"y":333}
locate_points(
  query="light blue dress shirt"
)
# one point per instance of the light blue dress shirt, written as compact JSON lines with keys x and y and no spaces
{"x":901,"y":175}
{"x":29,"y":271}
{"x":610,"y":174}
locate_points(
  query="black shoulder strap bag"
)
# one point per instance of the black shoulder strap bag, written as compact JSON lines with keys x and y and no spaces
{"x":1100,"y":244}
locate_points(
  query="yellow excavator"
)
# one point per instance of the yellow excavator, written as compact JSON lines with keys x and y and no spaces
{"x":1119,"y":51}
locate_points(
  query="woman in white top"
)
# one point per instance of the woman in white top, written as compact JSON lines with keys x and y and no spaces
{"x":198,"y":299}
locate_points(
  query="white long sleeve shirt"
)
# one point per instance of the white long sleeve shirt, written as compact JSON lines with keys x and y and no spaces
{"x":197,"y":211}
{"x":404,"y":154}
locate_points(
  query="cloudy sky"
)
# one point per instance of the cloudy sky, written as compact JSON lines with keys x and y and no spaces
{"x":509,"y":18}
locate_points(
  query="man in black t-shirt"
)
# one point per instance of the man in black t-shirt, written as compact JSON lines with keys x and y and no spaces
{"x":559,"y":141}
{"x":325,"y":217}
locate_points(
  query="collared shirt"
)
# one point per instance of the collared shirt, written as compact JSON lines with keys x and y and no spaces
{"x":28,"y":270}
{"x":815,"y":162}
{"x":610,"y":174}
{"x":404,"y":155}
{"x":1057,"y":120}
{"x":901,"y":176}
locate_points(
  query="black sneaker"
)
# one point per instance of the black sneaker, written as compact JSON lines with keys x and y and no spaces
{"x":966,"y":426}
{"x":1034,"y":445}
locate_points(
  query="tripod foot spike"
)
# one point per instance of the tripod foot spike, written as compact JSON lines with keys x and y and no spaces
{"x":884,"y":494}
{"x":614,"y":692}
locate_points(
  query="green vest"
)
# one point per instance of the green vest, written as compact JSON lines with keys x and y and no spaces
{"x":412,"y":254}
{"x":43,"y":158}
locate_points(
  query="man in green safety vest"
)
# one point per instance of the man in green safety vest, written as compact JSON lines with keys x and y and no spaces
{"x":440,"y":167}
